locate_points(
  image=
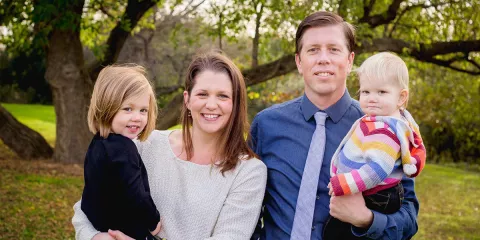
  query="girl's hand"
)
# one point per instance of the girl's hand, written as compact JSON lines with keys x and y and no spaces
{"x":115,"y":234}
{"x":157,"y":230}
{"x":103,"y":236}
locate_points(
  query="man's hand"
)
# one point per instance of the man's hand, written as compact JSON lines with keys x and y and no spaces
{"x":119,"y":235}
{"x":351,"y":208}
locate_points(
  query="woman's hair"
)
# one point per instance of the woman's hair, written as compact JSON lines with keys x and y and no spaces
{"x":387,"y":67}
{"x":232,"y":146}
{"x":114,"y":85}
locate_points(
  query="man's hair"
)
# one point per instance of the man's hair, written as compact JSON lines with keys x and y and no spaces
{"x":385,"y":66}
{"x":323,"y":19}
{"x":114,"y":85}
{"x":232,"y":146}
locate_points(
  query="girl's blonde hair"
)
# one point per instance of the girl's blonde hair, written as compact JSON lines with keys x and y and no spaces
{"x":114,"y":85}
{"x":385,"y":66}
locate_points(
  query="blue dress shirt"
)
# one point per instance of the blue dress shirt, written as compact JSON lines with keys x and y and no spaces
{"x":281,"y":136}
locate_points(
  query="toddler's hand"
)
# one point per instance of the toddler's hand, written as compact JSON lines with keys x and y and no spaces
{"x":330,"y":189}
{"x":157,"y":230}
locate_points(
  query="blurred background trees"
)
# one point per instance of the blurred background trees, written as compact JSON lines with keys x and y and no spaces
{"x":50,"y":53}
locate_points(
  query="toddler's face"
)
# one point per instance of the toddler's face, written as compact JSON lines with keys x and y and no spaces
{"x":381,"y":98}
{"x":132,"y":117}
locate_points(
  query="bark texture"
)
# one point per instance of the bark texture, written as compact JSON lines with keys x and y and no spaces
{"x":22,"y":140}
{"x":71,"y":88}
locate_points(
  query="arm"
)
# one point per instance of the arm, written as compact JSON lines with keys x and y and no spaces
{"x":380,"y":151}
{"x":241,"y":209}
{"x":84,"y":230}
{"x":127,"y":170}
{"x":256,"y":148}
{"x":400,"y":225}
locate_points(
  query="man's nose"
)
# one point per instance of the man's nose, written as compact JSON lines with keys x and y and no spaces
{"x":323,"y":57}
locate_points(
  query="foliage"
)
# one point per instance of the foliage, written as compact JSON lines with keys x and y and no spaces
{"x":444,"y":104}
{"x":40,"y":118}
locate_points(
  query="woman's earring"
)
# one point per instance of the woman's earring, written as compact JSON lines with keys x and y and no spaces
{"x":188,"y":113}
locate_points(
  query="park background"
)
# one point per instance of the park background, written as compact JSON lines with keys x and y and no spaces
{"x":52,"y":51}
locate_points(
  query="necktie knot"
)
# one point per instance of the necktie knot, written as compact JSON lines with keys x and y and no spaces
{"x":320,"y":118}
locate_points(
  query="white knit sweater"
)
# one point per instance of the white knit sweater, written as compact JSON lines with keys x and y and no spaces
{"x":195,"y":201}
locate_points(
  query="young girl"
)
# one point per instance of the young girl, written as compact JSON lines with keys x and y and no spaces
{"x":381,"y":147}
{"x":116,"y":193}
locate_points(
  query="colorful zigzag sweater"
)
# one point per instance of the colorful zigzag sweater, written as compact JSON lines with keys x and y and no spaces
{"x":376,"y":153}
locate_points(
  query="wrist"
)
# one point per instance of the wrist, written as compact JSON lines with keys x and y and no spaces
{"x":365,"y":219}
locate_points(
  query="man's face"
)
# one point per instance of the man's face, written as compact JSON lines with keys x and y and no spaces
{"x":324,"y":61}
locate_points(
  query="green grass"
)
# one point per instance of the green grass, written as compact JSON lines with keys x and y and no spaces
{"x":40,"y":118}
{"x":37,"y":197}
{"x":449,"y":203}
{"x":37,"y":200}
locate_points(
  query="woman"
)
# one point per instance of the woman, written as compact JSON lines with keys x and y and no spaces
{"x":204,"y":179}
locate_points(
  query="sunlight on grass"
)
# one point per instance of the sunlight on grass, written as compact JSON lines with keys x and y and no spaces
{"x":40,"y":118}
{"x":449,"y":203}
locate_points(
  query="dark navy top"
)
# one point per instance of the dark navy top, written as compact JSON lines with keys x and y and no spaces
{"x":281,"y":136}
{"x":116,"y":194}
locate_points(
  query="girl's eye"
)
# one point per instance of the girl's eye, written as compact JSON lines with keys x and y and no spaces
{"x":223,"y":96}
{"x":144,"y":110}
{"x":383,"y":92}
{"x":128,"y":109}
{"x":364,"y":92}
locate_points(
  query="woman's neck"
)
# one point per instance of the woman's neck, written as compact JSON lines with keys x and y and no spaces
{"x":205,"y":147}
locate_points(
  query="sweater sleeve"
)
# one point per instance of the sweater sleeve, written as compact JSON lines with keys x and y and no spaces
{"x":84,"y":229}
{"x":241,"y":209}
{"x":381,"y":148}
{"x":127,"y":169}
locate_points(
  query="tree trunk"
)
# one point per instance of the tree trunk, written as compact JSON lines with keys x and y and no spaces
{"x":71,"y":88}
{"x":25,"y":142}
{"x":169,"y":116}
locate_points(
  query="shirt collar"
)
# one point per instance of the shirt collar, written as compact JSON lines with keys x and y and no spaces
{"x":335,"y":112}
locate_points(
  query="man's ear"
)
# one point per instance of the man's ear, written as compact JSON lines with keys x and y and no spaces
{"x":297,"y":61}
{"x":403,"y":98}
{"x":186,"y":98}
{"x":351,"y":57}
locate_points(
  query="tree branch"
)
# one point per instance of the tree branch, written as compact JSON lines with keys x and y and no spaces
{"x":133,"y":13}
{"x":426,"y":52}
{"x":382,"y":18}
{"x":264,"y":72}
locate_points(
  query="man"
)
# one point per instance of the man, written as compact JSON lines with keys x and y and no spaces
{"x":281,"y":136}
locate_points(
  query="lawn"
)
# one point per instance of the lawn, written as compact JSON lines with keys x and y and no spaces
{"x":37,"y":197}
{"x":37,"y":200}
{"x":40,"y":118}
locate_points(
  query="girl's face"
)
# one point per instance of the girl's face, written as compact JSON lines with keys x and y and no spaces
{"x":381,"y":98}
{"x":210,"y":102}
{"x":132,"y":117}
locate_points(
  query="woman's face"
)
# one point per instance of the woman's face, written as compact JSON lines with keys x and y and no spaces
{"x":210,"y":102}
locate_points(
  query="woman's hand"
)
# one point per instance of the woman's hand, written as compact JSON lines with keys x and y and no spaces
{"x":115,"y":234}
